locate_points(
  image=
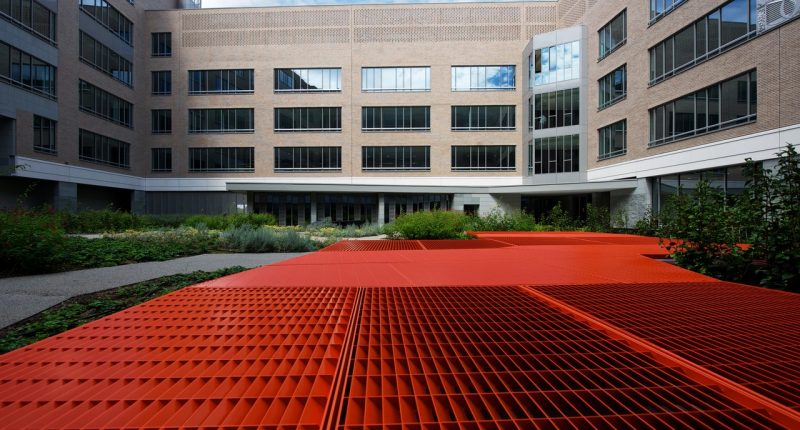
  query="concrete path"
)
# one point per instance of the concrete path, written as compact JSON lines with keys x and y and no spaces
{"x":24,"y":296}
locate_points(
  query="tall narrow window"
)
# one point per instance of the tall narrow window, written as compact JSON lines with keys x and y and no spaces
{"x":161,"y":160}
{"x":161,"y":121}
{"x":44,"y":135}
{"x":162,"y":83}
{"x":161,"y":44}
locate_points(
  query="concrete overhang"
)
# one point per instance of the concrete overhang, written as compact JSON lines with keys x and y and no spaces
{"x":549,"y":189}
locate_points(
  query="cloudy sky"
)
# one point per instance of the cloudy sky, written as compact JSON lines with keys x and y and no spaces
{"x":249,"y":3}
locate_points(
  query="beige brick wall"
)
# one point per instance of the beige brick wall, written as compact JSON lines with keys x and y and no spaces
{"x":771,"y":54}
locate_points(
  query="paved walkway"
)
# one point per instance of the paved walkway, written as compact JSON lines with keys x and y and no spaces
{"x":24,"y":296}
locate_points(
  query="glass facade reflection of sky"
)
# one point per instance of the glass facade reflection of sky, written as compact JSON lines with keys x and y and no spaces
{"x":483,"y":78}
{"x":556,"y":63}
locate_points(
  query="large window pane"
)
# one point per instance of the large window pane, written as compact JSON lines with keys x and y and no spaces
{"x":734,"y":20}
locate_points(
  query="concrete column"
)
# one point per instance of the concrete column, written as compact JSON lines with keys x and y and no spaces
{"x":66,"y":196}
{"x":633,"y":203}
{"x":381,"y":208}
{"x":138,"y":202}
{"x":313,"y":209}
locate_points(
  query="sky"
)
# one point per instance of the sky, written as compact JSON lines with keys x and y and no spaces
{"x":252,"y":3}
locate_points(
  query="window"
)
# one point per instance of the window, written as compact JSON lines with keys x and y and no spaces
{"x":396,"y":158}
{"x":101,"y":149}
{"x":719,"y":106}
{"x":721,"y":30}
{"x":161,"y":121}
{"x":105,"y":59}
{"x":308,"y":158}
{"x":613,"y":140}
{"x":97,"y":101}
{"x":404,"y":118}
{"x":110,"y":18}
{"x":221,"y":159}
{"x":161,"y":160}
{"x":161,"y":44}
{"x":659,"y":8}
{"x":308,"y":80}
{"x":557,"y":63}
{"x":613,"y":34}
{"x":27,"y":72}
{"x":482,"y":117}
{"x":44,"y":135}
{"x":483,"y":78}
{"x":233,"y":81}
{"x":308,"y":119}
{"x":377,"y":79}
{"x":555,"y":109}
{"x":162,"y":83}
{"x":30,"y":16}
{"x":483,"y":157}
{"x":613,"y":87}
{"x":556,"y":154}
{"x":229,"y":120}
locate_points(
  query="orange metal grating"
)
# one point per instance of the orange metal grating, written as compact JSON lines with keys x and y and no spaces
{"x":749,"y":335}
{"x":566,"y":337}
{"x":457,"y":358}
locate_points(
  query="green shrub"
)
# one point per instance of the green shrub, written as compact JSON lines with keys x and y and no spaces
{"x":224,"y":222}
{"x":247,"y":238}
{"x":429,"y":225}
{"x":559,"y":219}
{"x":30,"y":242}
{"x":648,"y":225}
{"x":136,"y":247}
{"x":499,"y":221}
{"x":597,"y":218}
{"x":102,"y":221}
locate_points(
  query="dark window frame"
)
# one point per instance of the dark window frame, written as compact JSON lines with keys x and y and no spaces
{"x":478,"y":117}
{"x":560,"y":159}
{"x":605,"y":138}
{"x":44,"y":130}
{"x":605,"y":35}
{"x":161,"y":160}
{"x":302,"y":158}
{"x":161,"y":44}
{"x":104,"y":104}
{"x":199,"y":81}
{"x":479,"y":160}
{"x":609,"y":81}
{"x":379,"y":155}
{"x":373,"y":118}
{"x":90,"y":143}
{"x":160,"y":86}
{"x":160,"y":121}
{"x":300,"y":78}
{"x":302,"y":118}
{"x":200,"y":159}
{"x":201,"y":120}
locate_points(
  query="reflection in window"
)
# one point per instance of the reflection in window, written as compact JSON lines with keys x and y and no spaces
{"x":231,"y":120}
{"x":161,"y":160}
{"x":555,"y":154}
{"x":105,"y":59}
{"x":613,"y":34}
{"x":31,"y":16}
{"x":612,"y":140}
{"x":556,"y":109}
{"x":478,"y":78}
{"x":26,"y":71}
{"x":221,"y":159}
{"x":308,"y":119}
{"x":230,"y":81}
{"x":308,"y":80}
{"x":483,"y":117}
{"x":110,"y":18}
{"x":719,"y":106}
{"x":557,"y":63}
{"x":483,"y":157}
{"x":717,"y":32}
{"x":396,"y":158}
{"x":391,"y":118}
{"x":659,"y":8}
{"x":376,"y":79}
{"x":101,"y":149}
{"x":308,"y":158}
{"x":613,"y":86}
{"x":101,"y":103}
{"x":729,"y":180}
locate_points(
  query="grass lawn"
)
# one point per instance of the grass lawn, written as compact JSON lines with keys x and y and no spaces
{"x":89,"y":307}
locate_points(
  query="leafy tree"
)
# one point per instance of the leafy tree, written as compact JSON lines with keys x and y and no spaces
{"x":771,"y":206}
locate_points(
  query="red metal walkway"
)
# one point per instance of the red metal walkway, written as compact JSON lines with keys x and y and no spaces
{"x":513,"y":330}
